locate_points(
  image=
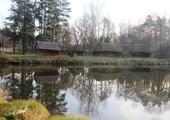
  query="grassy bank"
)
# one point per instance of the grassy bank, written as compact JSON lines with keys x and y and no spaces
{"x":84,"y":60}
{"x":5,"y":59}
{"x":28,"y":110}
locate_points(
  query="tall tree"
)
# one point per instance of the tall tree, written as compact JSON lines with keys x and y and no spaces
{"x":108,"y":33}
{"x":20,"y":22}
{"x":52,"y":16}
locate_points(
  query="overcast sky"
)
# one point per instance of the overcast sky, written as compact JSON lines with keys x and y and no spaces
{"x":117,"y":10}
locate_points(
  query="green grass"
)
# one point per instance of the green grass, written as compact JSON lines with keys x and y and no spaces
{"x":87,"y":60}
{"x":108,"y":58}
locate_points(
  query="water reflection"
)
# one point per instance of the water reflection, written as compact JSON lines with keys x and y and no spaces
{"x":21,"y":84}
{"x":90,"y":86}
{"x":48,"y":89}
{"x":147,"y":87}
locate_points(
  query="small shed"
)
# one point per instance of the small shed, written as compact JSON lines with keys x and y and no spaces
{"x":47,"y":48}
{"x":107,"y":50}
{"x":140,"y":50}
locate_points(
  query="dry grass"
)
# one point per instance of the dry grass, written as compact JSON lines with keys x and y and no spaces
{"x":24,"y":110}
{"x":3,"y":93}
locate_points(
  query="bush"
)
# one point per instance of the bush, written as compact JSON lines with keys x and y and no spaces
{"x":71,"y":53}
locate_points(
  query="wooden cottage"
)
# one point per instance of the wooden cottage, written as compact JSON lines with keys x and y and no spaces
{"x":140,"y":50}
{"x":47,"y":48}
{"x":134,"y":48}
{"x":107,"y":50}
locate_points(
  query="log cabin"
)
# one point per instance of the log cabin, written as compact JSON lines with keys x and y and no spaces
{"x":47,"y":48}
{"x":107,"y":50}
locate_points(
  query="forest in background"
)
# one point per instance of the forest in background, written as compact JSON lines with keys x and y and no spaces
{"x":48,"y":20}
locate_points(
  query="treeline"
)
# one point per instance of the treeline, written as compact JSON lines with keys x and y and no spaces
{"x":32,"y":20}
{"x":47,"y":20}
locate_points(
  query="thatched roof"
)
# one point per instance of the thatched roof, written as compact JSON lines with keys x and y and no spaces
{"x":47,"y":46}
{"x":136,"y":48}
{"x":140,"y":48}
{"x":107,"y":47}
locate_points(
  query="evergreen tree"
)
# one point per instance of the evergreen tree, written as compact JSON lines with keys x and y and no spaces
{"x":52,"y":16}
{"x":21,"y":22}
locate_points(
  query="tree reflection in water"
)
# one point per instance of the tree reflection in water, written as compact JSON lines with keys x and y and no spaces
{"x":21,"y":84}
{"x":85,"y":89}
{"x":91,"y":86}
{"x":146,"y":87}
{"x":49,"y":90}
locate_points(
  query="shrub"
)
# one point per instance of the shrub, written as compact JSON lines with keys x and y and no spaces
{"x":71,"y":53}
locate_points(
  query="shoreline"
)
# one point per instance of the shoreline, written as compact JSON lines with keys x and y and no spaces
{"x":65,"y":60}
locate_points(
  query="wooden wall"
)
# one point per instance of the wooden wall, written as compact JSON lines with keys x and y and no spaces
{"x":49,"y":53}
{"x":107,"y":54}
{"x":141,"y":54}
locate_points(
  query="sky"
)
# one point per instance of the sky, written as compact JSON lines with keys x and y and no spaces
{"x":127,"y":11}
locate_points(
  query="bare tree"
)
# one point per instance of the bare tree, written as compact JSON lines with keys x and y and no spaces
{"x":108,"y":29}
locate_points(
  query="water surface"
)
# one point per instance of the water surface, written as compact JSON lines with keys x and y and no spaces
{"x":103,"y":93}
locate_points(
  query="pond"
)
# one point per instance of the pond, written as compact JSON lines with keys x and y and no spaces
{"x":103,"y":93}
